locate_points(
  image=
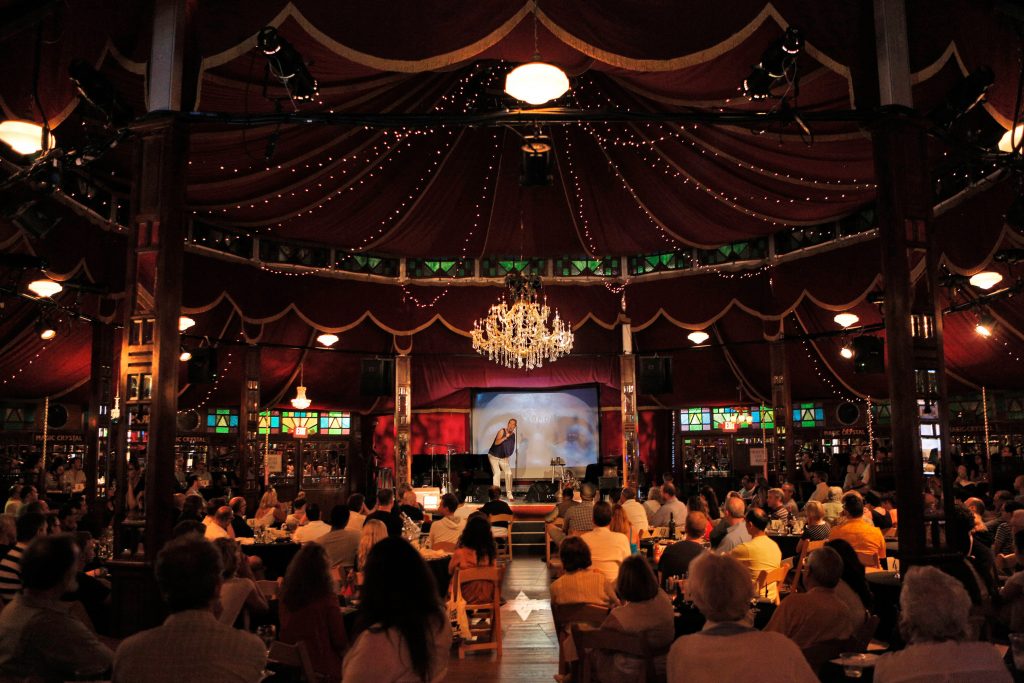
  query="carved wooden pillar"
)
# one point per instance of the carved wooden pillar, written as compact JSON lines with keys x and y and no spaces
{"x":630,"y":418}
{"x":249,"y":424}
{"x":403,"y":417}
{"x":782,"y":407}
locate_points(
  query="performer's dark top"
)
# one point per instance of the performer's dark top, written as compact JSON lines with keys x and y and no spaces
{"x":503,"y":449}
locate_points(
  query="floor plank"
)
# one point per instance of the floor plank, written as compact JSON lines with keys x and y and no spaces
{"x":530,"y":648}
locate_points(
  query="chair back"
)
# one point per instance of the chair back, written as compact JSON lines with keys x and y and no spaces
{"x":565,"y":615}
{"x":861,"y":638}
{"x":632,"y":644}
{"x":819,"y":654}
{"x":293,"y":657}
{"x":446,"y":546}
{"x":489,"y":574}
{"x":869,"y":560}
{"x":809,"y":547}
{"x":502,"y":519}
{"x":776,"y":576}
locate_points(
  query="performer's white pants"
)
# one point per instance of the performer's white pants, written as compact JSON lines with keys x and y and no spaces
{"x":499,"y":466}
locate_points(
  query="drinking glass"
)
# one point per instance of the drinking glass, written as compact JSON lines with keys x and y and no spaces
{"x":853,"y":664}
{"x":1017,"y":646}
{"x":267,"y":633}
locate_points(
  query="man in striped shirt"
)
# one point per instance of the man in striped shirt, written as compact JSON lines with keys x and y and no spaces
{"x":28,"y":526}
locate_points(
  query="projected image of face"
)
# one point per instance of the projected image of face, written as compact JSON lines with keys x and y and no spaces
{"x":547,"y":424}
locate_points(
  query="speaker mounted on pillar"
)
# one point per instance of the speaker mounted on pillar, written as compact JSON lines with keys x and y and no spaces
{"x":654,"y":374}
{"x":377,"y":377}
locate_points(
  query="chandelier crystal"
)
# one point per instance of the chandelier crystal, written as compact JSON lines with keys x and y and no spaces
{"x":523,"y":333}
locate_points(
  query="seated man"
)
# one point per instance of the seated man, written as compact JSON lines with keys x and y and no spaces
{"x":27,"y":527}
{"x":816,"y":615}
{"x":675,"y":561}
{"x":579,"y":519}
{"x":672,"y":509}
{"x":314,"y":527}
{"x":776,"y":506}
{"x":220,"y":525}
{"x":447,"y":530}
{"x":356,"y":511}
{"x":635,"y":512}
{"x":239,"y":526}
{"x":736,"y":529}
{"x":496,"y":506}
{"x":607,"y":548}
{"x":39,"y":639}
{"x":191,"y":645}
{"x":558,"y":512}
{"x":384,"y":512}
{"x":298,"y":516}
{"x":341,"y":543}
{"x":760,"y":553}
{"x":788,"y":492}
{"x":864,"y":536}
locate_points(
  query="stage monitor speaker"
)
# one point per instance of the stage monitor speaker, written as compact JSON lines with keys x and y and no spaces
{"x":608,"y":483}
{"x":654,"y":374}
{"x":377,"y":377}
{"x":542,"y":492}
{"x":868,"y":355}
{"x":202,"y":366}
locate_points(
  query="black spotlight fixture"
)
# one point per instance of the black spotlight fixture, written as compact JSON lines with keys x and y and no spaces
{"x":777,"y":62}
{"x":868,"y":355}
{"x":286,"y":64}
{"x":967,"y":94}
{"x":95,"y":89}
{"x":538,"y":161}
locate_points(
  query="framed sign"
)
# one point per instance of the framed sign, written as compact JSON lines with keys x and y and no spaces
{"x":274,"y":463}
{"x":758,"y":456}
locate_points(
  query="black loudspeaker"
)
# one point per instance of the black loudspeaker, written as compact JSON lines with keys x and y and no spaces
{"x":188,"y":421}
{"x":654,"y":375}
{"x":202,"y":367}
{"x":57,"y":416}
{"x":848,"y":413}
{"x":377,"y":377}
{"x":542,"y":492}
{"x":868,"y":355}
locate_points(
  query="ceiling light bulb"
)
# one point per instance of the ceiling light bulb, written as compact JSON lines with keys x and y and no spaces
{"x":300,"y":402}
{"x":185,"y":322}
{"x":44,"y":287}
{"x":47,"y":333}
{"x":536,"y":82}
{"x":327,"y":339}
{"x":846,"y":319}
{"x":986,"y":279}
{"x":983,"y":330}
{"x":846,"y":352}
{"x":186,"y":355}
{"x":698,"y":336}
{"x":24,"y":137}
{"x":1010,"y":138}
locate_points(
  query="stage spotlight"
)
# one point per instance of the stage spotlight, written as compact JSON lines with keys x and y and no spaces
{"x":846,"y":352}
{"x":95,"y":89}
{"x":965,"y":96}
{"x":286,"y":64}
{"x":986,"y":325}
{"x":758,"y":85}
{"x":868,"y":355}
{"x":776,"y":62}
{"x":185,"y":356}
{"x":538,"y":161}
{"x":44,"y":328}
{"x":698,"y":336}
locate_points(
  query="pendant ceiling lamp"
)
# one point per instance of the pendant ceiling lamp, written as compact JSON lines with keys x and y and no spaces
{"x":536,"y":82}
{"x":24,"y":137}
{"x":300,"y":402}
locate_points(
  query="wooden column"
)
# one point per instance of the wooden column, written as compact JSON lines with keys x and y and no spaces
{"x":782,"y":406}
{"x":403,"y":417}
{"x":101,"y":396}
{"x":249,"y":425}
{"x":630,"y":418}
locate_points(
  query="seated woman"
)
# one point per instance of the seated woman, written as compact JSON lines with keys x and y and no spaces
{"x":236,"y":591}
{"x":475,"y":549}
{"x":309,"y":610}
{"x":374,"y":531}
{"x":580,"y":583}
{"x":270,"y":511}
{"x":646,"y":610}
{"x":698,"y":504}
{"x":853,"y":587}
{"x":405,"y":634}
{"x":934,"y":620}
{"x":620,"y":524}
{"x":729,"y":648}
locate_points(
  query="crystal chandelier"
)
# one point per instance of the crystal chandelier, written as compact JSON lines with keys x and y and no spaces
{"x":522,"y":334}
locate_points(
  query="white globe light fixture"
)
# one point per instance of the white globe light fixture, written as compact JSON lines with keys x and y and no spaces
{"x":987,"y":279}
{"x":698,"y":336}
{"x":844,"y":320}
{"x":536,"y":82}
{"x":44,"y":287}
{"x":327,"y":339}
{"x":185,"y":323}
{"x":846,"y":352}
{"x":24,"y":137}
{"x":185,"y":356}
{"x":1010,"y":138}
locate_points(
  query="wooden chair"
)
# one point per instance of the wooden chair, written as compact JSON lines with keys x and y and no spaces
{"x":567,"y":615}
{"x":633,"y":644}
{"x":809,"y":547}
{"x":486,"y":615}
{"x":861,"y":638}
{"x":294,"y":657}
{"x":504,"y":543}
{"x":869,"y":560}
{"x":776,"y":576}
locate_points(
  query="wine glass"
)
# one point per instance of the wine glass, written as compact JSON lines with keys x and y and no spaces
{"x":267,"y":633}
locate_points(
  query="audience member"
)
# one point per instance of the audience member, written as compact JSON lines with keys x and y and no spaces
{"x":711,"y":503}
{"x":411,"y":506}
{"x":91,"y":593}
{"x":580,"y":518}
{"x":676,"y":559}
{"x":775,"y":506}
{"x":297,"y":517}
{"x":314,"y":528}
{"x":567,"y":501}
{"x":788,"y":492}
{"x":13,"y":500}
{"x":646,"y":610}
{"x":236,"y":592}
{"x":821,"y":487}
{"x":445,"y":532}
{"x":357,"y":511}
{"x":310,"y":612}
{"x":635,"y":513}
{"x":865,"y":538}
{"x":607,"y":548}
{"x":818,"y":614}
{"x":729,"y":649}
{"x":270,"y":511}
{"x":383,"y":512}
{"x":671,"y":508}
{"x":27,"y":527}
{"x":1012,"y":592}
{"x":853,"y":587}
{"x":374,"y":531}
{"x":192,"y":487}
{"x":8,"y":533}
{"x":341,"y":543}
{"x":653,"y":502}
{"x":239,"y":527}
{"x":834,"y":505}
{"x":736,"y":533}
{"x":934,"y":620}
{"x":581,"y":583}
{"x":39,"y":638}
{"x":193,"y":509}
{"x":219,"y":525}
{"x":476,"y":549}
{"x":760,"y":553}
{"x":407,"y":635}
{"x":620,"y":525}
{"x":188,"y":526}
{"x":496,"y":506}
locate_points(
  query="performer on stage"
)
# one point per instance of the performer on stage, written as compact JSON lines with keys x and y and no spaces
{"x":501,"y":450}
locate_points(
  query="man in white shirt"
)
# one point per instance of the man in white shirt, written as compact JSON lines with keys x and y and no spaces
{"x":653,"y":502}
{"x":820,"y":480}
{"x":635,"y":512}
{"x":314,"y":527}
{"x":220,"y":524}
{"x":607,"y":548}
{"x":74,"y":478}
{"x":788,"y":491}
{"x":298,"y":516}
{"x":448,"y":529}
{"x":736,"y":534}
{"x":341,"y":543}
{"x":356,"y":511}
{"x":671,"y":509}
{"x":760,"y":553}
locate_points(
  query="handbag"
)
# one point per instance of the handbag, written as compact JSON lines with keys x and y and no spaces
{"x":457,"y":611}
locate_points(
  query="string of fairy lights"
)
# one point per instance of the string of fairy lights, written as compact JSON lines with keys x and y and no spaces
{"x":24,"y":366}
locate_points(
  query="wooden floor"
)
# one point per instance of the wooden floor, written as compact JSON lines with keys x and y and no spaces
{"x":530,"y":649}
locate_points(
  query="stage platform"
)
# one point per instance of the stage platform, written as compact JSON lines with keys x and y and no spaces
{"x":524,"y":511}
